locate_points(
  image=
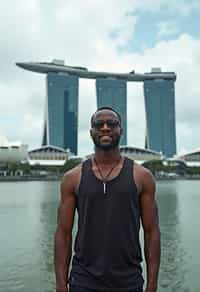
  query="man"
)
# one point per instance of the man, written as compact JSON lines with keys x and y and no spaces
{"x":111,"y":195}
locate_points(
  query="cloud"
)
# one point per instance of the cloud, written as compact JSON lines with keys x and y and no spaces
{"x":124,"y":32}
{"x":180,"y":8}
{"x":167,"y":28}
{"x":90,"y":33}
{"x":187,"y":7}
{"x":181,"y":56}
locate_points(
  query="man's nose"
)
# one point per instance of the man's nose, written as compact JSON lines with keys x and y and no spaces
{"x":105,"y":126}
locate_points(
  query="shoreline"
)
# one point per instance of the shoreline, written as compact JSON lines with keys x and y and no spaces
{"x":30,"y":178}
{"x":59,"y":178}
{"x":178,"y":178}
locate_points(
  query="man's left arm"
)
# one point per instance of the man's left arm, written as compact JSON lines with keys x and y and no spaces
{"x":149,"y":214}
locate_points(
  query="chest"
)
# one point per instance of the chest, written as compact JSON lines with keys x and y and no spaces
{"x":106,"y":172}
{"x":118,"y":193}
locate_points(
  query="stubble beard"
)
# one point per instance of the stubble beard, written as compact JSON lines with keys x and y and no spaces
{"x":107,"y":147}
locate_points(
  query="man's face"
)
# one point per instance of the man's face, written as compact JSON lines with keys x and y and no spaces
{"x":106,"y":130}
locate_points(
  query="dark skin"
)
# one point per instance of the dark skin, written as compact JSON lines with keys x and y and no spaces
{"x":106,"y":156}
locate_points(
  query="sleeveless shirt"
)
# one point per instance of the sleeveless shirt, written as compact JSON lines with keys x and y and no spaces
{"x":107,"y":253}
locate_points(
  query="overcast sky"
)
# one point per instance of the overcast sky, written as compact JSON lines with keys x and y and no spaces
{"x":116,"y":35}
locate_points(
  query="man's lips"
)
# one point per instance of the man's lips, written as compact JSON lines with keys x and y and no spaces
{"x":105,"y":136}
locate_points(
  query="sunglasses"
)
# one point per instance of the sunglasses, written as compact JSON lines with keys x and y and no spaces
{"x":98,"y":124}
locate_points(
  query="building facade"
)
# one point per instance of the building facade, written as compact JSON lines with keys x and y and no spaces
{"x":12,"y":152}
{"x":113,"y":93}
{"x":191,"y":158}
{"x":48,"y":155}
{"x":140,"y":155}
{"x":159,"y":97}
{"x":61,"y":112}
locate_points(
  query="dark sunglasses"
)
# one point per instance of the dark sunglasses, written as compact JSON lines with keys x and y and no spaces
{"x":98,"y":124}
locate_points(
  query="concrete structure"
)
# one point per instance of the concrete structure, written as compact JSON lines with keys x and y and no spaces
{"x":61,"y":112}
{"x":111,"y":90}
{"x":160,"y":115}
{"x":140,"y":155}
{"x":57,"y":66}
{"x":191,"y":158}
{"x":48,"y":155}
{"x":12,"y":152}
{"x":113,"y":93}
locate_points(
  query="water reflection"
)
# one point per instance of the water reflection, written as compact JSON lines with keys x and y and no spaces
{"x":28,"y":221}
{"x":48,"y":218}
{"x":173,"y":266}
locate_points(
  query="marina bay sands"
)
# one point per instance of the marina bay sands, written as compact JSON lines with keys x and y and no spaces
{"x":61,"y":109}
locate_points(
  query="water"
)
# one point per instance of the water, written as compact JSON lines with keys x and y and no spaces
{"x":28,"y":222}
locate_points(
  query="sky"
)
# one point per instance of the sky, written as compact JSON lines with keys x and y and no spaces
{"x":114,"y":36}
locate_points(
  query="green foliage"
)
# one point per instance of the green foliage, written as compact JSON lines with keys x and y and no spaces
{"x":195,"y":170}
{"x":12,"y":167}
{"x":157,"y":167}
{"x":71,"y":163}
{"x":170,"y":166}
{"x":27,"y":169}
{"x":154,"y":165}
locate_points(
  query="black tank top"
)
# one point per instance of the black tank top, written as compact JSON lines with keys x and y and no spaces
{"x":107,"y":250}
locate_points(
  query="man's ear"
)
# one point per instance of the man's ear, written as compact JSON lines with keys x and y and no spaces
{"x":121,"y":131}
{"x":91,"y":133}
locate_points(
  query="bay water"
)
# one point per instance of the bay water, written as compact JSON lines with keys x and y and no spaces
{"x":28,"y":213}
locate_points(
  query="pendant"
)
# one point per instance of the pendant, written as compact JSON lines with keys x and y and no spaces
{"x":104,"y":188}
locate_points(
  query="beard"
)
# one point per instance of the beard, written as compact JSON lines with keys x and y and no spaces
{"x":106,"y":147}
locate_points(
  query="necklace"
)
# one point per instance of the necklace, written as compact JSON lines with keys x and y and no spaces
{"x":105,"y":178}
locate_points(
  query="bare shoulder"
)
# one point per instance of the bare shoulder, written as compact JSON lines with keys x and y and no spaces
{"x":144,"y":178}
{"x":149,"y":211}
{"x":71,"y":180}
{"x":66,"y":209}
{"x":72,"y":173}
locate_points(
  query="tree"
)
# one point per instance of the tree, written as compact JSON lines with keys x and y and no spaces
{"x":71,"y":163}
{"x":154,"y":165}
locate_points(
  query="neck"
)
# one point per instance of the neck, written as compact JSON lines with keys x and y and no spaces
{"x":107,"y":157}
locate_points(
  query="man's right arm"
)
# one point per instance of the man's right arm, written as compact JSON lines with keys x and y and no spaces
{"x":63,"y":235}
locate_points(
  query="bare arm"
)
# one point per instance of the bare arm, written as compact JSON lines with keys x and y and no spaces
{"x":151,"y":230}
{"x":63,"y":235}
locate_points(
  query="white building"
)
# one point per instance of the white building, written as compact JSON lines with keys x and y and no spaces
{"x":13,"y":152}
{"x":191,"y":158}
{"x":140,"y":155}
{"x":48,"y":155}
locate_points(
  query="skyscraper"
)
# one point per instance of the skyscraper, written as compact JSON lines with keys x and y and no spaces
{"x":113,"y":93}
{"x":160,"y":116}
{"x":61,"y":113}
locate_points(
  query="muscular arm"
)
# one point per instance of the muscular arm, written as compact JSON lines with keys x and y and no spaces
{"x":63,"y":235}
{"x":151,"y":231}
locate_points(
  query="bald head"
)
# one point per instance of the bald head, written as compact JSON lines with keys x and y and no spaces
{"x":106,"y":110}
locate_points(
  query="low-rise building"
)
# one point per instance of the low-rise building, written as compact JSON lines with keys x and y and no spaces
{"x":48,"y":155}
{"x":12,"y":152}
{"x":140,"y":155}
{"x":191,"y":158}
